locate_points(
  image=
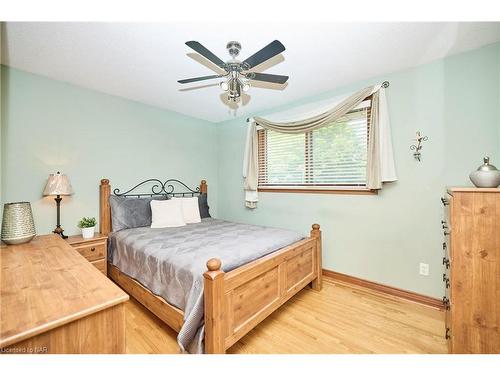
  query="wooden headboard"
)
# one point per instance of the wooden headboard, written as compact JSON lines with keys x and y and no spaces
{"x":158,"y":188}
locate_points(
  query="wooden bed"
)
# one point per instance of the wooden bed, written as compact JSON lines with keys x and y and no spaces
{"x":236,"y":301}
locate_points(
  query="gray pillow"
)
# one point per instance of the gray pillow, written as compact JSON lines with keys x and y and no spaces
{"x":203,"y":205}
{"x":129,"y":212}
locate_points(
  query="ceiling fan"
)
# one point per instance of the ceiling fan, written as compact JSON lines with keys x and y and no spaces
{"x":237,"y":73}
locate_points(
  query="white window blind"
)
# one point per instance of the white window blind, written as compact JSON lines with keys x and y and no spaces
{"x":333,"y":156}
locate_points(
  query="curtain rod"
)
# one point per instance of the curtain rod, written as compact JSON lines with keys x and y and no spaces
{"x":385,"y":85}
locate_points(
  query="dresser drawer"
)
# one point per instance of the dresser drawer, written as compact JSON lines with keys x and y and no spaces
{"x":92,"y":251}
{"x":100,"y":265}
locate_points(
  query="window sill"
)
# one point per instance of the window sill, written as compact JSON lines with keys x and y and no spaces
{"x":339,"y":190}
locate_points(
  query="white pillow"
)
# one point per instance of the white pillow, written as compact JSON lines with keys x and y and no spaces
{"x":166,"y":214}
{"x":190,"y":209}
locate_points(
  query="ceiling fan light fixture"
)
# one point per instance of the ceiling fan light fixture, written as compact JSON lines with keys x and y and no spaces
{"x":234,"y":86}
{"x":234,"y":91}
{"x":224,"y":86}
{"x":235,"y":70}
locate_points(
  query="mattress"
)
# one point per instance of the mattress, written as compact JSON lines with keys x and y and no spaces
{"x":170,"y":262}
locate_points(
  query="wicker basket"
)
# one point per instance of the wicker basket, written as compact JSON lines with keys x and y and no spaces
{"x":17,"y":225}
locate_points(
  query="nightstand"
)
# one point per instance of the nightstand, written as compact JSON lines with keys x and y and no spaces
{"x":93,"y":249}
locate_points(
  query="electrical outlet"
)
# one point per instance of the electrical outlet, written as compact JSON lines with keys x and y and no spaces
{"x":424,"y":269}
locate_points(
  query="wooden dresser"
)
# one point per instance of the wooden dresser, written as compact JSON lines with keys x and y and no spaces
{"x":54,"y":301}
{"x":93,"y":249}
{"x":471,"y":265}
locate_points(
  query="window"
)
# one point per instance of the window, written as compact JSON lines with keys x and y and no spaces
{"x":330,"y":158}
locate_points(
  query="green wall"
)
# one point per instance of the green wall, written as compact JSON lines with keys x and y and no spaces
{"x":1,"y":146}
{"x":2,"y":25}
{"x":51,"y":126}
{"x":384,"y":237}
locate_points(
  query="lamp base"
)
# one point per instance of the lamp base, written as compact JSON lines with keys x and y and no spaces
{"x":59,"y":229}
{"x":60,"y":232}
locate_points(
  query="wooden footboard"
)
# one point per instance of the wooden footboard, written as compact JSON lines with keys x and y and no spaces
{"x":235,"y":302}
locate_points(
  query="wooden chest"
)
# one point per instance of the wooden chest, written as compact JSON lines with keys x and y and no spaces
{"x":55,"y":301}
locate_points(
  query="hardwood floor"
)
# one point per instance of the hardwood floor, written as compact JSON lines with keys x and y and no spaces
{"x":342,"y":318}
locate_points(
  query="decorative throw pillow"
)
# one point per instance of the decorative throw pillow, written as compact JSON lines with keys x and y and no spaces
{"x":190,"y":209}
{"x":129,"y":212}
{"x":167,"y":214}
{"x":203,"y":205}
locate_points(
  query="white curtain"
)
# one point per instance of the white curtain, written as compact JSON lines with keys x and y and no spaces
{"x":380,"y":163}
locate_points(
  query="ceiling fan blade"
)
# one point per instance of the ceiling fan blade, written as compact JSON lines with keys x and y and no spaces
{"x":271,"y":50}
{"x":202,"y":50}
{"x":274,"y":78}
{"x":188,"y":80}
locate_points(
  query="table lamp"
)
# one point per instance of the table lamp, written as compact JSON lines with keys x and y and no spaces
{"x":58,"y":184}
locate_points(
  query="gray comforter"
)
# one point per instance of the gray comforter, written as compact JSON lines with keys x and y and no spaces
{"x":170,"y":262}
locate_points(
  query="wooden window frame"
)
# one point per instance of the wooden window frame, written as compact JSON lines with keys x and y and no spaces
{"x":327,"y":189}
{"x":331,"y":190}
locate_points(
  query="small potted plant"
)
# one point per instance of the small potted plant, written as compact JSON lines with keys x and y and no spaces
{"x":87,"y":225}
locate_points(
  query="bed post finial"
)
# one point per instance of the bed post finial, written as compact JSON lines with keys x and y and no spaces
{"x":214,"y":264}
{"x":214,"y":308}
{"x":203,"y":186}
{"x":318,"y":282}
{"x":104,"y":208}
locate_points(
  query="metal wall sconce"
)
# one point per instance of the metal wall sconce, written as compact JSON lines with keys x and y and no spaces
{"x":418,"y":146}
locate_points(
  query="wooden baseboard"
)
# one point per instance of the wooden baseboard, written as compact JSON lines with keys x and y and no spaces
{"x":406,"y":294}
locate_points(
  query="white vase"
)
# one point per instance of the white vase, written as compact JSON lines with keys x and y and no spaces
{"x":486,"y":176}
{"x":88,"y":232}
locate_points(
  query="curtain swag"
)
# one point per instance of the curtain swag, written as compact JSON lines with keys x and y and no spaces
{"x":380,"y":160}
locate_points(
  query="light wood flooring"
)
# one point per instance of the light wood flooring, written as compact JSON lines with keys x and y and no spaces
{"x":342,"y":318}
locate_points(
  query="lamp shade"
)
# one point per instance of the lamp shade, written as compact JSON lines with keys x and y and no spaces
{"x":58,"y":184}
{"x":17,"y":224}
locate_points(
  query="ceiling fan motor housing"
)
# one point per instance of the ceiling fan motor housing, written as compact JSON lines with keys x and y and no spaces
{"x":233,"y":48}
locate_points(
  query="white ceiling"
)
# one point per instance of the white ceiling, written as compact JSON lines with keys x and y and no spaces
{"x":143,"y":61}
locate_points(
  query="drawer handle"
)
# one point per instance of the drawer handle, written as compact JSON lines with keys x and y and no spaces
{"x":446,"y":262}
{"x":92,"y":249}
{"x":447,"y":334}
{"x":446,"y":303}
{"x":444,"y":246}
{"x":446,"y":280}
{"x":445,"y":201}
{"x":445,"y":232}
